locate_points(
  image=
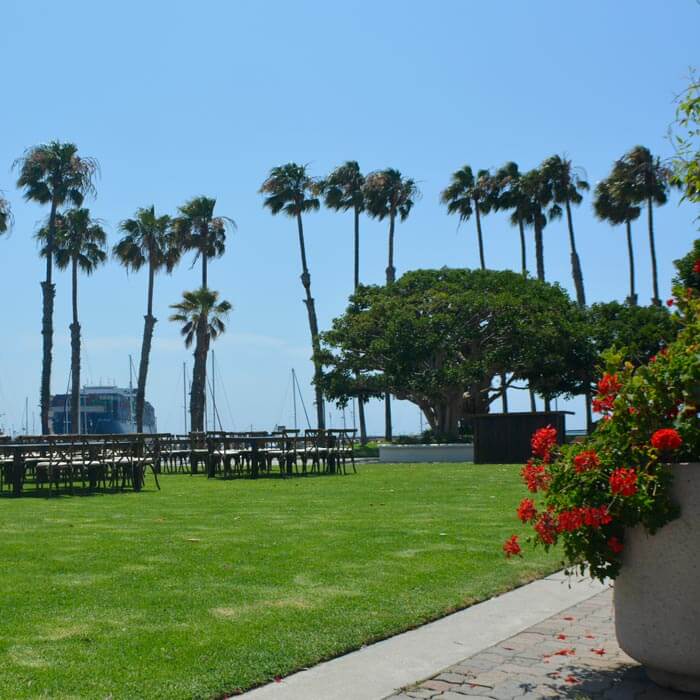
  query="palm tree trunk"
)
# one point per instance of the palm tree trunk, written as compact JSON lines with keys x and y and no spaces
{"x":149,"y":323}
{"x":199,"y":377}
{"x":313,"y":327}
{"x":539,"y":247}
{"x":48,"y":290}
{"x":575,"y":261}
{"x":632,"y":300}
{"x":652,"y":249}
{"x":478,"y":235}
{"x":390,"y":278}
{"x":523,"y":250}
{"x":75,"y":354}
{"x":360,"y":398}
{"x":204,"y":271}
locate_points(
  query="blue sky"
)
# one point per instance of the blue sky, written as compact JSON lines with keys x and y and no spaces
{"x":177,"y":99}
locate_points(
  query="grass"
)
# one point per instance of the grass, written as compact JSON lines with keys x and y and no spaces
{"x":209,"y":586}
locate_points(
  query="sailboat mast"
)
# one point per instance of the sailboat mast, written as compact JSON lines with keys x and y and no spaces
{"x":184,"y":395}
{"x":294,"y":397}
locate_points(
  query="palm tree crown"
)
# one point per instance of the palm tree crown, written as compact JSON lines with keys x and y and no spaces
{"x":199,"y":304}
{"x":343,"y":190}
{"x":5,"y":215}
{"x":148,"y":239}
{"x":388,"y":193}
{"x":510,"y":196}
{"x":290,"y":190}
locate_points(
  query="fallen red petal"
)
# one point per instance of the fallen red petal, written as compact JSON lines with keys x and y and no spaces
{"x":600,"y":652}
{"x":561,"y":636}
{"x":571,"y":679}
{"x":565,"y":652}
{"x":278,"y":679}
{"x":568,"y":617}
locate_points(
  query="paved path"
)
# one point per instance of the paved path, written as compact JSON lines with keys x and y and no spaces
{"x":376,"y":671}
{"x":572,"y":654}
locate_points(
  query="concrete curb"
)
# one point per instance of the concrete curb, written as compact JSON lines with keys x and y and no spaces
{"x":375,"y":671}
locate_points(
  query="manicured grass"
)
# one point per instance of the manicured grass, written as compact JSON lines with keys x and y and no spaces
{"x":212,"y":586}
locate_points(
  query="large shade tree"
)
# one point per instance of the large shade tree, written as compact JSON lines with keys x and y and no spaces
{"x":289,"y":190}
{"x":54,"y":174}
{"x":79,"y":243}
{"x":468,"y":195}
{"x":610,"y":205}
{"x":201,"y":316}
{"x":389,"y":195}
{"x":438,"y":338}
{"x":567,"y":184}
{"x":644,"y":179}
{"x":147,"y":240}
{"x":343,"y":190}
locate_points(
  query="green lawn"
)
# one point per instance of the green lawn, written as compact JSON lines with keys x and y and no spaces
{"x":209,"y":586}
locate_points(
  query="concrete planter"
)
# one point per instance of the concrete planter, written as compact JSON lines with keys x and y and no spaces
{"x":657,"y":594}
{"x":451,"y":452}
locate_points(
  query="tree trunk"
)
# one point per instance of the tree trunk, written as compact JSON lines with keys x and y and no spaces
{"x":390,"y":278}
{"x":360,"y":398}
{"x":539,"y":247}
{"x":149,"y":323}
{"x":362,"y":420}
{"x":575,"y":261}
{"x":589,"y":412}
{"x":547,"y":404}
{"x":504,"y":389}
{"x":652,"y":249}
{"x":478,"y":234}
{"x":48,"y":294}
{"x":533,"y":402}
{"x":313,"y":326}
{"x":632,"y":299}
{"x":199,"y":378}
{"x":203,"y":235}
{"x":523,"y":250}
{"x":75,"y":354}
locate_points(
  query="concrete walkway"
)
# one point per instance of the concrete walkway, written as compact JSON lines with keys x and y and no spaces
{"x":377,"y":671}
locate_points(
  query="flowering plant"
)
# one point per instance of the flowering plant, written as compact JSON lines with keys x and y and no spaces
{"x":589,"y":492}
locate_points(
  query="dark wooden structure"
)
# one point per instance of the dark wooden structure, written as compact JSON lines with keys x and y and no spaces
{"x":504,"y":438}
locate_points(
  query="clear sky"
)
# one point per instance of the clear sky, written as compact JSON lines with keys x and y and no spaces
{"x":177,"y":99}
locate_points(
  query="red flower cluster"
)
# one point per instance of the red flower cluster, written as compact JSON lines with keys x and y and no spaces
{"x":576,"y":518}
{"x":608,"y":388}
{"x":511,"y":546}
{"x":526,"y":510}
{"x":542,"y":442}
{"x":535,"y":477}
{"x":615,"y":545}
{"x":585,"y":461}
{"x":546,"y":528}
{"x":666,"y":440}
{"x":670,"y":302}
{"x":623,"y":482}
{"x":696,"y":267}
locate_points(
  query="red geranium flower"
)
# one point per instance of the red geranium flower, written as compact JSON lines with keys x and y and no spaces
{"x":526,"y":510}
{"x":585,"y":461}
{"x":615,"y":545}
{"x":542,"y":442}
{"x":624,"y":482}
{"x":511,"y":546}
{"x":696,"y":267}
{"x":546,"y":528}
{"x":535,"y":477}
{"x":670,"y":302}
{"x":666,"y":439}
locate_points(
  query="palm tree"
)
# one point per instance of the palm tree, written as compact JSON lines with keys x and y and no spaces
{"x":510,"y":196}
{"x":147,"y":240}
{"x":198,"y":229}
{"x":567,"y":185}
{"x":202,"y":317}
{"x":644,"y":180}
{"x":79,"y":243}
{"x":608,"y":206}
{"x":389,"y":194}
{"x":5,"y":215}
{"x":467,"y":195}
{"x":343,"y":190}
{"x":538,"y":195}
{"x":290,"y":190}
{"x":53,"y":173}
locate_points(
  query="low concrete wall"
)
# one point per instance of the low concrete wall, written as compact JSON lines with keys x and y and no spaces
{"x":452,"y":452}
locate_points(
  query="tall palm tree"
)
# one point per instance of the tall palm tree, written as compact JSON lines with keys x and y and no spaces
{"x":467,"y":195}
{"x":643,"y":179}
{"x":290,"y":190}
{"x":53,"y":173}
{"x":538,"y":193}
{"x":148,"y":240}
{"x":389,"y":194}
{"x":342,"y":190}
{"x":609,"y":206}
{"x":5,"y":215}
{"x":196,"y":228}
{"x":510,"y":196}
{"x":202,"y":317}
{"x":567,"y":185}
{"x":79,"y":243}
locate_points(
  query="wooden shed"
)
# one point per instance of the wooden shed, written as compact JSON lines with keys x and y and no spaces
{"x":504,"y":438}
